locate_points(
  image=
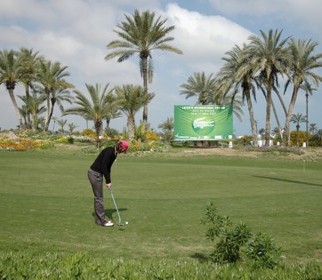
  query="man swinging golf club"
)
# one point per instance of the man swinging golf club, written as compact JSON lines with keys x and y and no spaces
{"x":102,"y":167}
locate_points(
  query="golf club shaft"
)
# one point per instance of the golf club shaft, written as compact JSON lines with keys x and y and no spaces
{"x":116,"y":208}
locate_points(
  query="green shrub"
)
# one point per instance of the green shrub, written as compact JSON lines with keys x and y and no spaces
{"x":70,"y":140}
{"x":236,"y":242}
{"x":229,"y":238}
{"x":263,"y":251}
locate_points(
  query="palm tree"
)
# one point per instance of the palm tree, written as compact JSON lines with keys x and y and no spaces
{"x":230,"y":100}
{"x":308,"y":89}
{"x":62,"y":124}
{"x":302,"y":69}
{"x":201,"y":86}
{"x":237,"y":76}
{"x":167,"y":129}
{"x":142,"y":33}
{"x":55,"y":119}
{"x":269,"y":58}
{"x":28,"y":68}
{"x":34,"y":107}
{"x":71,"y":128}
{"x":10,"y":76}
{"x":51,"y":77}
{"x":319,"y":134}
{"x":297,"y":119}
{"x":95,"y":109}
{"x":130,"y":99}
{"x":313,"y":128}
{"x":114,"y":112}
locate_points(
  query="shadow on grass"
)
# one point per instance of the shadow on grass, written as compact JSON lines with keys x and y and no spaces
{"x":202,"y":258}
{"x":109,"y":212}
{"x":290,"y":181}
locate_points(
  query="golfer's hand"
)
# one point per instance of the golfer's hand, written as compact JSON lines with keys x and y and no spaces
{"x":109,"y":185}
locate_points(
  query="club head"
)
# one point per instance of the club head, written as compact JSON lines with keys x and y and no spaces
{"x":121,"y":224}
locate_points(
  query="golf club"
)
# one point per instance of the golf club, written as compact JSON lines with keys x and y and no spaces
{"x":117,"y":210}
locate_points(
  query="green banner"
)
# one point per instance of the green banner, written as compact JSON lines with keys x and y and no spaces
{"x":208,"y":122}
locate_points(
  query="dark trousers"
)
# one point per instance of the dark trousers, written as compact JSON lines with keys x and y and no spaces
{"x":96,"y":180}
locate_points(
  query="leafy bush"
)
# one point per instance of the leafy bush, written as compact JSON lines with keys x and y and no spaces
{"x":263,"y":251}
{"x":111,"y":132}
{"x":300,"y":135}
{"x":89,"y":133}
{"x":315,"y":141}
{"x":151,"y":136}
{"x":236,"y":242}
{"x":245,"y":140}
{"x":229,"y":238}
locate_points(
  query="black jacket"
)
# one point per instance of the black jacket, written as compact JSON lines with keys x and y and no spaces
{"x":104,"y":162}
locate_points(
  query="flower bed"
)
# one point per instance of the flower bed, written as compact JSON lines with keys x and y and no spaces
{"x":19,"y":144}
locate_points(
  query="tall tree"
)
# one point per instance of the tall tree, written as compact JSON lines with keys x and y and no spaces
{"x":51,"y":77}
{"x":303,"y":68}
{"x":71,"y":128}
{"x":96,"y":109}
{"x":313,"y":128}
{"x":167,"y":129}
{"x":270,"y":58}
{"x":297,"y":119}
{"x":62,"y":124}
{"x":34,"y":106}
{"x":201,"y":86}
{"x":230,"y":100}
{"x":10,"y":76}
{"x":28,"y":68}
{"x":130,"y":99}
{"x":142,"y":33}
{"x":237,"y":77}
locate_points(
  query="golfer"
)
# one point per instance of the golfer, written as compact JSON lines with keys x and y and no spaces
{"x":102,"y":167}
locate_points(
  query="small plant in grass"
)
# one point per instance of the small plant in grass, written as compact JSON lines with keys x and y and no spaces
{"x":263,"y":252}
{"x":236,"y":242}
{"x":229,"y":238}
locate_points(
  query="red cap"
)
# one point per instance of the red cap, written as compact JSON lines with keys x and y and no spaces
{"x":123,"y":145}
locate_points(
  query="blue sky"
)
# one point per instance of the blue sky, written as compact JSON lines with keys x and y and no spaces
{"x":76,"y":32}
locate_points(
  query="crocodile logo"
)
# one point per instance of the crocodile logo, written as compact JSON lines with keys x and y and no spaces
{"x":203,"y":126}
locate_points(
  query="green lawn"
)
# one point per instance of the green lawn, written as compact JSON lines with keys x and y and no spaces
{"x":46,"y":203}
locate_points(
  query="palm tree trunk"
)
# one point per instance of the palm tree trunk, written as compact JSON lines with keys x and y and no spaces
{"x":268,"y":116}
{"x":145,"y":87}
{"x":277,"y":119}
{"x":251,"y":116}
{"x":34,"y":122}
{"x":29,"y":125}
{"x":297,"y":134}
{"x":281,"y":100}
{"x":50,"y":112}
{"x":15,"y":105}
{"x":98,"y":127}
{"x":286,"y":138}
{"x":131,"y":126}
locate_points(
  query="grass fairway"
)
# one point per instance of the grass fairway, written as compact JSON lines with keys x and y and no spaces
{"x":46,"y":203}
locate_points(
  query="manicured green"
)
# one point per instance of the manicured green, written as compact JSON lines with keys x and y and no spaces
{"x":46,"y":203}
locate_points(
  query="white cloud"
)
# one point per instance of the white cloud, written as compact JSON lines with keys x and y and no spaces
{"x":251,"y":7}
{"x":305,"y":14}
{"x":204,"y":39}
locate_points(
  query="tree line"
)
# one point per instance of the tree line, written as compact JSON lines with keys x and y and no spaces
{"x":256,"y":67}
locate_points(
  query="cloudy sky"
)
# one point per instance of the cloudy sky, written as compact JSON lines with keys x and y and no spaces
{"x":76,"y":32}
